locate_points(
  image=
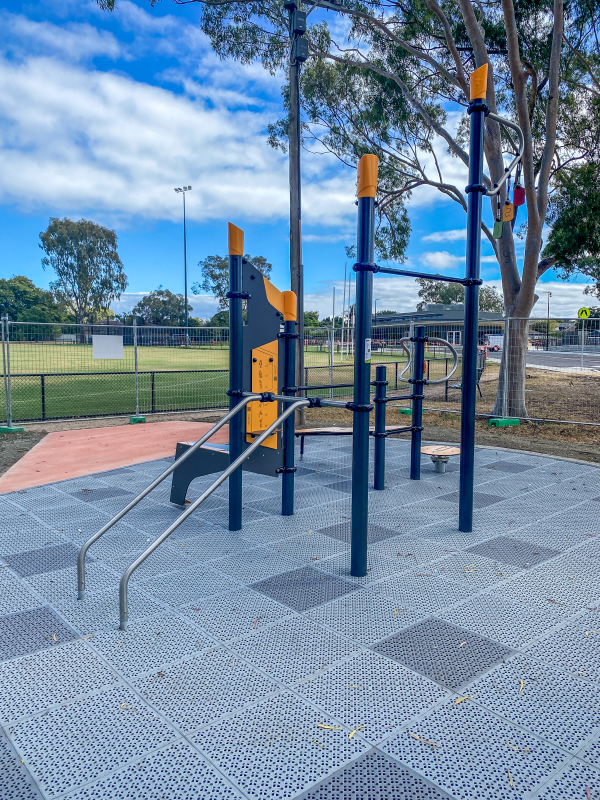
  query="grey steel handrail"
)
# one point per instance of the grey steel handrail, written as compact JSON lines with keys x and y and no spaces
{"x":82,"y":553}
{"x":507,"y":123}
{"x":123,"y":610}
{"x":429,"y":339}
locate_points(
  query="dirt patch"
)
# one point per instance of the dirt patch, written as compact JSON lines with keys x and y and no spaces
{"x":567,"y":441}
{"x":13,"y":446}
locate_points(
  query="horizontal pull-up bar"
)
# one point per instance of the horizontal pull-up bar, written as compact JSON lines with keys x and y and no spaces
{"x":369,"y":267}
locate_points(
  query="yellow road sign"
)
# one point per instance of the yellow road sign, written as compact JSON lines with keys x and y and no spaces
{"x":583,"y":313}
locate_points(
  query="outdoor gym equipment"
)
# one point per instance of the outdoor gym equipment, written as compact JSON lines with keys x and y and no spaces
{"x":257,"y":348}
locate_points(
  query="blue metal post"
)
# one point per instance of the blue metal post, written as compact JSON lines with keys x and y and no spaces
{"x":417,"y":403}
{"x":380,"y":408}
{"x":289,"y":378}
{"x":236,"y":426}
{"x":367,"y":187}
{"x":477,"y":110}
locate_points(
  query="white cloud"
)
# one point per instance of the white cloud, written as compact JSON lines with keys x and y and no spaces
{"x":441,"y":259}
{"x":446,"y":236}
{"x":86,"y":140}
{"x":204,"y":305}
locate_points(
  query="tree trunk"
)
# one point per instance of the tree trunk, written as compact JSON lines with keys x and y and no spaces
{"x":510,"y":400}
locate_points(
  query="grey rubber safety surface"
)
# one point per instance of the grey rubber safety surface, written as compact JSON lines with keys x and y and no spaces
{"x":443,"y":652}
{"x":462,"y":666}
{"x":304,"y":588}
{"x":514,"y":551}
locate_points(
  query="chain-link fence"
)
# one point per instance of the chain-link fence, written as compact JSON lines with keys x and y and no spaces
{"x":532,"y":369}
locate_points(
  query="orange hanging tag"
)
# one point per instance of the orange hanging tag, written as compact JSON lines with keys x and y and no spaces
{"x":508,"y":212}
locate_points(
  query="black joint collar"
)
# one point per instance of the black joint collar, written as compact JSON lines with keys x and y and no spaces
{"x":360,"y":408}
{"x":473,"y":106}
{"x":365,"y":266}
{"x":475,"y":187}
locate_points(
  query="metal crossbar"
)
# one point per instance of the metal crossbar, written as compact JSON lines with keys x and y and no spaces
{"x":82,"y":552}
{"x":123,"y":609}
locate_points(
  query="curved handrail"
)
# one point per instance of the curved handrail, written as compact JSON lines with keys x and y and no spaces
{"x":123,"y":610}
{"x":429,"y":339}
{"x":82,"y":552}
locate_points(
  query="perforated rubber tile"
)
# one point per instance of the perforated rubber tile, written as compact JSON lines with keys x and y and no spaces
{"x":574,"y":647}
{"x":370,"y":690}
{"x":204,"y":688}
{"x":445,"y":653}
{"x":91,"y":495}
{"x":477,"y":572}
{"x":509,"y":466}
{"x":576,"y":780}
{"x":556,"y":707}
{"x":35,"y":682}
{"x":293,"y":649}
{"x":150,"y":644}
{"x":379,"y":565}
{"x":15,"y":781}
{"x":45,"y":559}
{"x":72,"y":745}
{"x":590,"y":752}
{"x":28,"y":534}
{"x":62,"y":583}
{"x":343,"y":532}
{"x":235,"y":614}
{"x":476,"y":755}
{"x":275,"y":750}
{"x":186,"y":585}
{"x":424,"y":590}
{"x":373,"y":776}
{"x":480,"y":499}
{"x":252,"y":565}
{"x":176,"y":772}
{"x":304,"y":588}
{"x":514,"y":551}
{"x":14,"y":595}
{"x":100,"y":611}
{"x":364,"y":616}
{"x":30,"y":631}
{"x":309,"y":546}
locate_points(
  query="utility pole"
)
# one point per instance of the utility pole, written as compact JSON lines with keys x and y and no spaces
{"x":185,"y":294}
{"x":298,"y":54}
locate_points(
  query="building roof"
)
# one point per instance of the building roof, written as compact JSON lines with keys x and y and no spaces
{"x":436,"y":311}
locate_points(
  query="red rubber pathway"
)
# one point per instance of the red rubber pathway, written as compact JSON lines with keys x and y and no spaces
{"x":70,"y":454}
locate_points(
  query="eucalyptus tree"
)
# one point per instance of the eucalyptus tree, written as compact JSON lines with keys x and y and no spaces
{"x":391,"y":77}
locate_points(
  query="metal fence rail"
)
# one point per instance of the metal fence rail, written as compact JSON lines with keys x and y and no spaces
{"x":50,"y":372}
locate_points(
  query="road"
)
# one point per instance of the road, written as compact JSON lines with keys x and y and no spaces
{"x":559,"y":361}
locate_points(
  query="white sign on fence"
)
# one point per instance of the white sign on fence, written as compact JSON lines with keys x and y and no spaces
{"x":107,"y":346}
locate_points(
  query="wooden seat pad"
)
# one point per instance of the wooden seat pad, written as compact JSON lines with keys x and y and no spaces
{"x":440,"y":450}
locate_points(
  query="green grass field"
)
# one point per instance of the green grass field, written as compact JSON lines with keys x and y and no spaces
{"x":61,"y":395}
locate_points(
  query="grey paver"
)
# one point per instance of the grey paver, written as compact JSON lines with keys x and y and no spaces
{"x":304,"y":588}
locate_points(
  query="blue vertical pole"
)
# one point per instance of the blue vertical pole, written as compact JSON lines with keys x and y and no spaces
{"x":380,"y":408}
{"x":236,"y":426}
{"x":477,"y":110}
{"x":289,"y":378}
{"x":367,"y":187}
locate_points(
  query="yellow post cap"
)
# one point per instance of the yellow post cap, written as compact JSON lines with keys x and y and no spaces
{"x":478,"y":81}
{"x":289,"y":306}
{"x":235,"y":240}
{"x":367,"y":176}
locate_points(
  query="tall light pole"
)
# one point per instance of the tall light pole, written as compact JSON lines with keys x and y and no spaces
{"x":182,"y":192}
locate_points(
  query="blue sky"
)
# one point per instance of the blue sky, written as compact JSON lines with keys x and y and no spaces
{"x":102,"y":115}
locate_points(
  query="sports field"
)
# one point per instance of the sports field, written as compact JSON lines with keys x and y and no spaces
{"x":62,"y":380}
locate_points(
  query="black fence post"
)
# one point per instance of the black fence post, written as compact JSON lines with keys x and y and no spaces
{"x":417,"y":403}
{"x":153,"y":401}
{"x":43,"y":386}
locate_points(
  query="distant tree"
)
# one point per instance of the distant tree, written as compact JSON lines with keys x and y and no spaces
{"x":219,"y":320}
{"x":215,"y":276}
{"x":161,"y":307}
{"x":21,"y":300}
{"x":86,"y":261}
{"x":448,"y":294}
{"x":311,"y":319}
{"x":386,"y":312}
{"x":574,"y":213}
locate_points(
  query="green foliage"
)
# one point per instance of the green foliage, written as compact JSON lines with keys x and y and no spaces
{"x":431,"y":291}
{"x":22,"y":301}
{"x":162,"y":307}
{"x":215,"y":276}
{"x":575,"y":217}
{"x":86,"y":261}
{"x":311,"y":319}
{"x":219,"y":320}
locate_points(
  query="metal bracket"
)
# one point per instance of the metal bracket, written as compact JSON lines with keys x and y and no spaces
{"x":285,"y":470}
{"x":235,"y":393}
{"x":358,"y":407}
{"x":476,"y":187}
{"x":380,"y":383}
{"x":238,"y":295}
{"x":288,"y":335}
{"x":365,"y":266}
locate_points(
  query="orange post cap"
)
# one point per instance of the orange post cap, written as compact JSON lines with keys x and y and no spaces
{"x":478,"y":81}
{"x":289,"y":306}
{"x":367,"y":176}
{"x":235,"y":240}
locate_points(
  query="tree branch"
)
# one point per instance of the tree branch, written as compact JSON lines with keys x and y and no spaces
{"x":434,"y":6}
